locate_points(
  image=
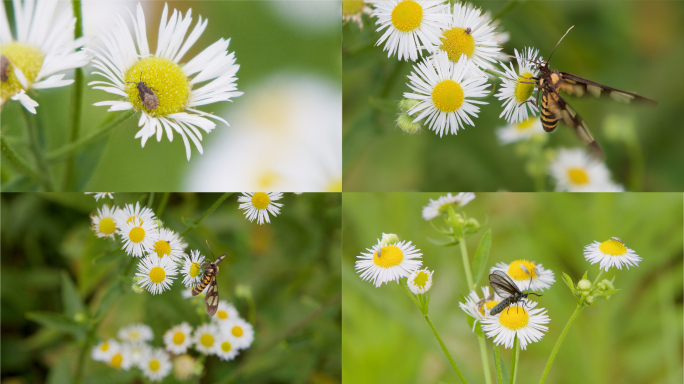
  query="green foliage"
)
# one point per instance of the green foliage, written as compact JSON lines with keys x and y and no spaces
{"x":481,"y":256}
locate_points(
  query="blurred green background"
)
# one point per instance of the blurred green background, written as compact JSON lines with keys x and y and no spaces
{"x":291,"y":265}
{"x":631,"y":45}
{"x":268,"y":37}
{"x":635,"y":337}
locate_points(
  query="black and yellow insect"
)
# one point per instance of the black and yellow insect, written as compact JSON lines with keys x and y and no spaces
{"x":555,"y":108}
{"x":209,"y":279}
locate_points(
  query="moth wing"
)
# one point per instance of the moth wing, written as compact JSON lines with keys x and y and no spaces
{"x":502,"y":284}
{"x":211,"y":300}
{"x":555,"y":108}
{"x":220,"y":259}
{"x":578,"y":86}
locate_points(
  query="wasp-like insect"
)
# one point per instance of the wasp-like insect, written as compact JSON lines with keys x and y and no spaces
{"x":147,"y":96}
{"x":4,"y":68}
{"x":555,"y":108}
{"x":209,"y":279}
{"x":507,"y":290}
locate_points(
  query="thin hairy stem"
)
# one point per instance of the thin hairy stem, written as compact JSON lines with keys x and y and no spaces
{"x":559,"y":341}
{"x":77,"y":99}
{"x":206,"y":213}
{"x":516,"y":359}
{"x":36,"y":150}
{"x":16,"y":162}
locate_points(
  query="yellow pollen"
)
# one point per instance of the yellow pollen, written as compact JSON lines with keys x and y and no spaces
{"x":194,"y":269}
{"x":523,"y":91}
{"x":137,"y":234}
{"x":237,"y":331}
{"x":154,"y":365}
{"x":390,"y":256}
{"x":613,"y":247}
{"x":222,"y":315}
{"x":157,"y":275}
{"x":525,"y":125}
{"x":28,"y":59}
{"x":517,"y":273}
{"x":514,"y":318}
{"x":578,"y":176}
{"x":488,"y":306}
{"x":134,"y":335}
{"x":352,"y":7}
{"x":165,"y":78}
{"x":131,"y":220}
{"x":260,"y":200}
{"x":447,"y":96}
{"x":116,"y":360}
{"x":407,"y":16}
{"x":162,"y":248}
{"x":226,"y":347}
{"x":107,"y":226}
{"x":335,"y":186}
{"x":456,"y":42}
{"x":207,"y":340}
{"x":104,"y":347}
{"x":178,"y":338}
{"x":421,"y":279}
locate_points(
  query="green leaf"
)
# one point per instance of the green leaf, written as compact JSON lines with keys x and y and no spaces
{"x":481,"y":256}
{"x":60,"y":373}
{"x":108,"y":299}
{"x":504,"y":371}
{"x":441,"y":230}
{"x":453,"y":219}
{"x":443,"y":243}
{"x":70,"y":299}
{"x":569,"y":282}
{"x":584,"y":277}
{"x":608,"y":292}
{"x":56,"y":321}
{"x":107,"y":256}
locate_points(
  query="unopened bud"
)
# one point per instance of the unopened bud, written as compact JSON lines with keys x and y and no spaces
{"x":406,"y":104}
{"x":608,"y":284}
{"x":406,"y":124}
{"x":388,"y":239}
{"x":135,"y":287}
{"x":590,"y":300}
{"x":584,"y":285}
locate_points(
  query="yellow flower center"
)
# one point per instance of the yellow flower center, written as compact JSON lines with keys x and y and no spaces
{"x":154,"y":365}
{"x":226,"y":347}
{"x":260,"y":200}
{"x":237,"y":331}
{"x":134,"y":335}
{"x":613,"y":247}
{"x":578,"y":176}
{"x":517,"y":273}
{"x":267,"y":180}
{"x":514,"y":318}
{"x":222,"y":315}
{"x":131,"y":220}
{"x":523,"y":91}
{"x":407,"y":15}
{"x":157,"y":275}
{"x":137,"y":234}
{"x":335,"y":186}
{"x":162,"y":248}
{"x":104,"y":347}
{"x":447,"y":96}
{"x":107,"y":226}
{"x":390,"y":256}
{"x":178,"y":338}
{"x":165,"y":78}
{"x":194,"y":269}
{"x":488,"y":306}
{"x":116,"y":360}
{"x":525,"y":125}
{"x":27,"y":58}
{"x":352,"y":7}
{"x":207,"y":340}
{"x":456,"y":41}
{"x":421,"y":279}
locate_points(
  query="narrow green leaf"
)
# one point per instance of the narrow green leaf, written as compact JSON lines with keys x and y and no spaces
{"x":108,"y":299}
{"x":126,"y":279}
{"x":70,"y":299}
{"x":443,"y":243}
{"x":481,"y":256}
{"x":504,"y":372}
{"x":584,"y":277}
{"x":56,"y":321}
{"x":569,"y":282}
{"x":441,"y":230}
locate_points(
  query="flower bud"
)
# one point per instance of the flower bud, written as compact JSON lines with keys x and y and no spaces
{"x":406,"y":104}
{"x":135,"y":287}
{"x":80,"y":317}
{"x":590,"y":300}
{"x":584,"y":285}
{"x":608,"y":284}
{"x":472,"y":225}
{"x":406,"y":124}
{"x":388,"y":238}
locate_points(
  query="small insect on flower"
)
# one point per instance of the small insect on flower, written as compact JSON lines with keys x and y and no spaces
{"x":210,"y":273}
{"x":504,"y":286}
{"x":147,"y":96}
{"x":4,"y":67}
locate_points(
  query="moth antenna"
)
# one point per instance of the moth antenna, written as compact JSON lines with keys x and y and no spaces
{"x":561,"y":39}
{"x":212,"y":252}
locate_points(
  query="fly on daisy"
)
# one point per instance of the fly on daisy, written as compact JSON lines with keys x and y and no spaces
{"x":522,"y":321}
{"x":157,"y":273}
{"x":611,"y":253}
{"x":387,"y":262}
{"x":518,"y":88}
{"x":411,"y":25}
{"x":126,"y":61}
{"x":576,"y":171}
{"x":258,"y":205}
{"x":44,"y":45}
{"x":441,"y":205}
{"x":446,"y":93}
{"x":527,"y":274}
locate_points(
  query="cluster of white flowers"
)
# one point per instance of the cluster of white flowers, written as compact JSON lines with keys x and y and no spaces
{"x":225,"y":336}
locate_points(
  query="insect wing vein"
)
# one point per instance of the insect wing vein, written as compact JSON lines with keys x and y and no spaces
{"x":502,"y":284}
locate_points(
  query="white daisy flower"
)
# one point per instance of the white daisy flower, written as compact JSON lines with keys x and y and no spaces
{"x":446,"y":95}
{"x":520,"y":131}
{"x":156,"y":365}
{"x":103,"y":223}
{"x":611,"y":253}
{"x":352,"y":11}
{"x":117,"y":359}
{"x":136,"y":333}
{"x":101,"y":195}
{"x":225,"y":348}
{"x":478,"y":308}
{"x":129,"y":213}
{"x":179,"y":338}
{"x":192,"y":269}
{"x":169,"y":244}
{"x":519,"y":320}
{"x":469,"y":33}
{"x":138,"y":236}
{"x":225,"y":312}
{"x":206,"y":338}
{"x":187,"y":293}
{"x":420,"y":281}
{"x":576,"y":171}
{"x":520,"y":270}
{"x":411,"y":25}
{"x":517,"y":88}
{"x":441,"y":205}
{"x":388,"y":262}
{"x":134,"y":353}
{"x":183,"y":367}
{"x":239,"y":331}
{"x":105,"y":349}
{"x":173,"y":92}
{"x":158,"y":274}
{"x":258,"y":205}
{"x":44,"y":45}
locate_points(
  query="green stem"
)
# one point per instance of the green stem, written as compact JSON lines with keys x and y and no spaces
{"x":516,"y":359}
{"x":205,"y":214}
{"x":36,"y":150}
{"x":150,"y":200}
{"x":77,"y":99}
{"x":162,"y":204}
{"x":415,"y":301}
{"x":485,"y":359}
{"x":19,"y":164}
{"x":466,"y":263}
{"x":597,"y":278}
{"x":505,"y":10}
{"x":68,"y":149}
{"x":444,"y":348}
{"x":78,"y":377}
{"x":499,"y":373}
{"x":559,"y":341}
